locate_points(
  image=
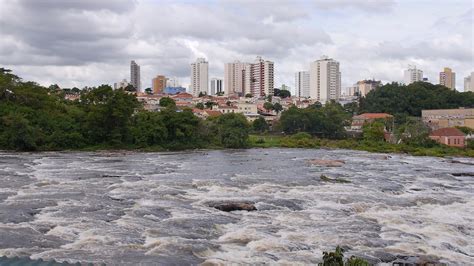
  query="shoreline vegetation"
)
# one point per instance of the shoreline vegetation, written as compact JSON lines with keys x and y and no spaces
{"x":37,"y":118}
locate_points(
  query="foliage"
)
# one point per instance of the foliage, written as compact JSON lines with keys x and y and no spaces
{"x":277,"y":108}
{"x":248,"y":95}
{"x":268,"y":106}
{"x":373,"y":131}
{"x":410,"y":99}
{"x":466,"y":130}
{"x":233,"y":130}
{"x":414,"y":132}
{"x":327,"y":121}
{"x":148,"y":91}
{"x":202,"y":94}
{"x":200,"y":106}
{"x":167,"y":102}
{"x":210,"y":104}
{"x":260,"y":125}
{"x":282,"y":93}
{"x":336,"y":258}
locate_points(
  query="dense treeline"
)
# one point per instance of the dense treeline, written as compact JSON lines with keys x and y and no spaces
{"x":33,"y":117}
{"x":409,"y":100}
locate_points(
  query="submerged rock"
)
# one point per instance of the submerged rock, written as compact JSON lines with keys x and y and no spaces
{"x":327,"y":163}
{"x":462,"y":174}
{"x":234,"y":206}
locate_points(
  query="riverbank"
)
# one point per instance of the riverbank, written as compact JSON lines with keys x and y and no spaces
{"x":279,"y":141}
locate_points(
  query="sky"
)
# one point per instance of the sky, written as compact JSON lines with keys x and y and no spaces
{"x":90,"y":42}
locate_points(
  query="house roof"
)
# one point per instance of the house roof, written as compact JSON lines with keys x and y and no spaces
{"x":447,"y":131}
{"x":213,"y":113}
{"x":373,"y":116}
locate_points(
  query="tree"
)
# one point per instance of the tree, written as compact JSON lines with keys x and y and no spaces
{"x":148,"y":129}
{"x":268,"y":106}
{"x":130,"y":88}
{"x":148,"y":91}
{"x":260,"y":125}
{"x":200,"y":106}
{"x":414,"y":132}
{"x":374,"y":131}
{"x":167,"y":102}
{"x":248,"y":95}
{"x":277,"y":107}
{"x":233,"y":130}
{"x":202,"y":94}
{"x":209,"y":104}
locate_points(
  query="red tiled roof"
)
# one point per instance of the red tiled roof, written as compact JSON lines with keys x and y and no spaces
{"x":213,"y":113}
{"x":447,"y":131}
{"x":373,"y":115}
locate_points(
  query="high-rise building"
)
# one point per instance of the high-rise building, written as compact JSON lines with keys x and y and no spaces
{"x":216,"y":86}
{"x":158,"y":84}
{"x":235,"y":77}
{"x":412,"y":74}
{"x":324,"y":80}
{"x":469,"y":83}
{"x":261,"y":77}
{"x":135,"y":75}
{"x":302,"y":84}
{"x":365,"y":86}
{"x":447,"y":78}
{"x":199,"y":77}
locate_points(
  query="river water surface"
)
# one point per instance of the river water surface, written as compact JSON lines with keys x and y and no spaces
{"x":130,"y":208}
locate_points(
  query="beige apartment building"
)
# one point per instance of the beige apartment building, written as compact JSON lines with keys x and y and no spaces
{"x":443,"y":118}
{"x":447,"y":78}
{"x":158,"y":84}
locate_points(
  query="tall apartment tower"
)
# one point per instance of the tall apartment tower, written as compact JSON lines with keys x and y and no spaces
{"x":302,"y":84}
{"x":235,"y":77}
{"x":216,"y":86}
{"x":261,"y":77}
{"x":412,"y":74}
{"x":135,"y":75}
{"x":324,"y":80}
{"x":159,"y":84}
{"x":469,"y":83}
{"x":447,"y":78}
{"x":199,"y":77}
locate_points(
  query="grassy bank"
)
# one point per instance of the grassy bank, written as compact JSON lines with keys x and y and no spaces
{"x":268,"y":141}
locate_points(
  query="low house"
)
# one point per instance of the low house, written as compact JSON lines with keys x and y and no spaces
{"x":450,"y":136}
{"x":358,"y":121}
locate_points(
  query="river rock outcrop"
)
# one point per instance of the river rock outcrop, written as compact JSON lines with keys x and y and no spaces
{"x":327,"y":163}
{"x":234,"y":206}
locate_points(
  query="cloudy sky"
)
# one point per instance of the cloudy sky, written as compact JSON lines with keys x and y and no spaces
{"x":90,"y":42}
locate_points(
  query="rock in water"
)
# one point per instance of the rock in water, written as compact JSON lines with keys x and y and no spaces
{"x":235,"y":206}
{"x":327,"y":163}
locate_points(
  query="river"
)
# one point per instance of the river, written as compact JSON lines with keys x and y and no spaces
{"x":130,"y":208}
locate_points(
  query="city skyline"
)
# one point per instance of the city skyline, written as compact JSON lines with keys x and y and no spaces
{"x":115,"y":32}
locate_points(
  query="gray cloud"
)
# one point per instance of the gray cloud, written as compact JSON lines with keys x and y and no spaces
{"x":89,"y":42}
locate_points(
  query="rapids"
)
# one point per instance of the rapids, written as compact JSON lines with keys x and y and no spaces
{"x":130,"y":208}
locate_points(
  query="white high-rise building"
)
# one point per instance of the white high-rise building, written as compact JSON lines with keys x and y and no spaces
{"x":261,"y":77}
{"x":199,"y":77}
{"x":216,"y":86}
{"x":135,"y":75}
{"x":302,"y":84}
{"x":412,"y":74}
{"x":234,"y":77}
{"x":254,"y":78}
{"x":469,"y":83}
{"x":172,"y":82}
{"x":324,"y":80}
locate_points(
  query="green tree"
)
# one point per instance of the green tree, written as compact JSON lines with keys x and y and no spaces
{"x":202,"y":94}
{"x":233,"y":130}
{"x":268,"y":106}
{"x":277,"y":107}
{"x":248,"y":95}
{"x":148,"y":91}
{"x":260,"y":125}
{"x":17,"y":133}
{"x":210,"y":104}
{"x":167,"y":102}
{"x":130,"y":88}
{"x":373,"y":131}
{"x":148,"y":129}
{"x":200,"y":106}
